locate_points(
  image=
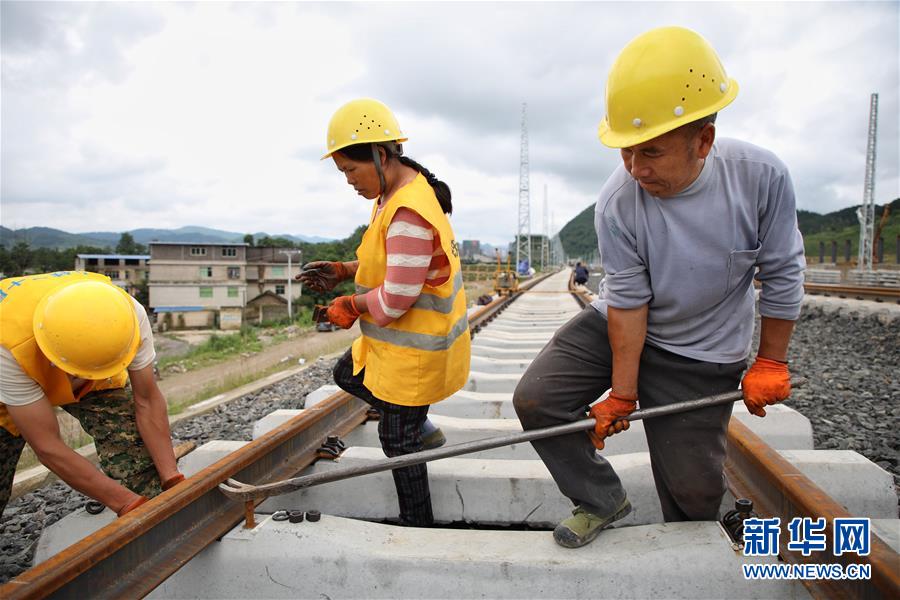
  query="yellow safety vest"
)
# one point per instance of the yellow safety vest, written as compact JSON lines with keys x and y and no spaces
{"x":422,"y":357}
{"x":19,"y":297}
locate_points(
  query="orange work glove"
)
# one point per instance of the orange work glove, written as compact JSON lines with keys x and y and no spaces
{"x":322,"y":275}
{"x":343,"y":312}
{"x":172,"y":481}
{"x":610,"y":415}
{"x":766,"y":382}
{"x":132,"y":505}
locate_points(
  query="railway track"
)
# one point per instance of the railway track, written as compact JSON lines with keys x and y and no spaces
{"x":139,"y":553}
{"x":878,"y":294}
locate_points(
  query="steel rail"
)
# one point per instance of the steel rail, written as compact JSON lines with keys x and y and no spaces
{"x":778,"y":489}
{"x":134,"y":554}
{"x":858,"y":292}
{"x":484,"y":316}
{"x":881,"y":294}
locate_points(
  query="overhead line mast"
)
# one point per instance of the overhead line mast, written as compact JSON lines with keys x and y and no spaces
{"x":523,"y":235}
{"x":866,"y":212}
{"x":545,"y":240}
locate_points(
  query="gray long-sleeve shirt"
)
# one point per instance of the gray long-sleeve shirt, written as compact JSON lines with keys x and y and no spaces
{"x":692,"y":257}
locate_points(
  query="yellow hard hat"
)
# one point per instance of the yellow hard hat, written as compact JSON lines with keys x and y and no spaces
{"x":88,"y":329}
{"x":661,"y":80}
{"x":362,"y":121}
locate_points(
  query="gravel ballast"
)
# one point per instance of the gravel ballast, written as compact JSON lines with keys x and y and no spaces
{"x":852,"y":399}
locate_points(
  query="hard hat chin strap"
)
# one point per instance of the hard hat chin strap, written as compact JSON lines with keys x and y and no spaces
{"x":376,"y":157}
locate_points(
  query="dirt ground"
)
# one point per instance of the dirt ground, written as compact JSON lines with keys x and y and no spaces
{"x":180,"y":387}
{"x":169,"y":344}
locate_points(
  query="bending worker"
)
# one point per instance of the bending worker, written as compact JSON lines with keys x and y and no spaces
{"x":73,"y":340}
{"x":683,"y":224}
{"x":414,"y":347}
{"x":580,"y":274}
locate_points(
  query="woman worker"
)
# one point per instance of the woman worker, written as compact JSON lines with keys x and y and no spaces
{"x":414,"y":347}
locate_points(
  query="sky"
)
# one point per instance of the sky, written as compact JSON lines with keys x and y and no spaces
{"x":116,"y":116}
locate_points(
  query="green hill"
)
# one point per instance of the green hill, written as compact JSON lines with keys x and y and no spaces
{"x":579,"y":239}
{"x":843,"y":225}
{"x":578,"y":236}
{"x":46,"y":237}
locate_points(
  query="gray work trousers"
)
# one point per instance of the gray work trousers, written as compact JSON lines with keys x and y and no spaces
{"x":687,"y":450}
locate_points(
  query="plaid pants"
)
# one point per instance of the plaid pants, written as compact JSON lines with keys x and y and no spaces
{"x":400,"y":432}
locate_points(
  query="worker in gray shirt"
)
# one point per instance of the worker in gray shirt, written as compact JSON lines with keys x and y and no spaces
{"x":683,"y":226}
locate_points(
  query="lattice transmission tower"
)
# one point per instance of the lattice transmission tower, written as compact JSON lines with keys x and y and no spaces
{"x":866,"y":212}
{"x":523,"y":236}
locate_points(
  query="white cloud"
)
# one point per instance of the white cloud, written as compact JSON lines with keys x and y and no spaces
{"x":117,"y":116}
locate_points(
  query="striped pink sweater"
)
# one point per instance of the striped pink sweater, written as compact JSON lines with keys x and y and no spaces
{"x":414,"y":258}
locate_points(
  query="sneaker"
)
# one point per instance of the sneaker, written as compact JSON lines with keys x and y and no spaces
{"x":582,"y":527}
{"x":432,"y":436}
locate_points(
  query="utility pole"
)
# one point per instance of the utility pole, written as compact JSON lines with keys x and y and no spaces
{"x":554,"y":255}
{"x":288,"y":253}
{"x":866,"y":212}
{"x":523,"y":237}
{"x":545,"y":241}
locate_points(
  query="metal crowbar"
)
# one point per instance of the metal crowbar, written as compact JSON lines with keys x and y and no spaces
{"x":244,"y":492}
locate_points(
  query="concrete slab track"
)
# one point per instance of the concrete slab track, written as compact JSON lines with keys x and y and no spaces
{"x":345,"y":558}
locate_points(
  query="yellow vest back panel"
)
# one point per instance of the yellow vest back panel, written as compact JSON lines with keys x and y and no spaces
{"x":19,"y":297}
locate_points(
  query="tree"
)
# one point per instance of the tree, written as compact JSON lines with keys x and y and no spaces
{"x":275,"y":242}
{"x":4,"y":262}
{"x":127,"y":245}
{"x":248,"y":239}
{"x":142,"y":292}
{"x":19,"y":259}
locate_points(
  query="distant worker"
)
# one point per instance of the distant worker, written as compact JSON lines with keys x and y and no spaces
{"x":524,"y":268}
{"x":580,"y":274}
{"x":683,"y":224}
{"x":410,"y":302}
{"x":74,"y":340}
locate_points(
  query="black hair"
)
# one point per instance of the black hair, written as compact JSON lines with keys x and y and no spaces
{"x":363,"y":153}
{"x":695,"y":126}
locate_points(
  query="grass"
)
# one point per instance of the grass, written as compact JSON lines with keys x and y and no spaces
{"x":215,"y":349}
{"x":220,"y":347}
{"x":889,"y":234}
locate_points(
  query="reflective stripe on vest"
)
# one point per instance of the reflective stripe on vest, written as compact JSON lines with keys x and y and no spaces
{"x":431,"y":301}
{"x":419,"y":341}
